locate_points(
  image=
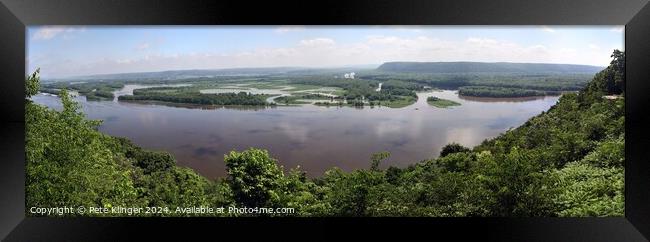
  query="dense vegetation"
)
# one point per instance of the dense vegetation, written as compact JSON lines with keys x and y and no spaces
{"x":94,"y":91}
{"x":545,"y":81}
{"x":568,"y":161}
{"x":177,"y":95}
{"x":441,"y":103}
{"x":483,"y":91}
{"x":360,"y":92}
{"x":296,"y":98}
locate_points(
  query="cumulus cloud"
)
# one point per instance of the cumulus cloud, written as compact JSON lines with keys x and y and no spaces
{"x":50,"y":32}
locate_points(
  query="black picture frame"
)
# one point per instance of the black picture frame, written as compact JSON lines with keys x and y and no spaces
{"x":15,"y":15}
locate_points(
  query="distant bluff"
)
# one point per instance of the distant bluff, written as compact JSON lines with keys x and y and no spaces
{"x":485,"y":67}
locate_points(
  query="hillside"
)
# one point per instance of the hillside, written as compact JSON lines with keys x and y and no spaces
{"x":484,"y":67}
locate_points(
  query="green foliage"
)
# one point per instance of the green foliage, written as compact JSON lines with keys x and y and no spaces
{"x":607,"y":154}
{"x":157,"y":94}
{"x":451,"y":194}
{"x":255,"y":178}
{"x":618,"y":66}
{"x":485,"y":91}
{"x":453,"y":148}
{"x":177,"y":187}
{"x":610,"y":81}
{"x":376,"y":158}
{"x":303,"y":195}
{"x":393,"y":93}
{"x":68,"y":163}
{"x":441,"y":103}
{"x":94,"y":91}
{"x":587,"y":190}
{"x":32,"y":84}
{"x":482,"y":67}
{"x":459,"y":161}
{"x":533,"y":81}
{"x":352,"y":194}
{"x":518,"y":185}
{"x":293,"y":99}
{"x":151,"y":161}
{"x":98,"y":95}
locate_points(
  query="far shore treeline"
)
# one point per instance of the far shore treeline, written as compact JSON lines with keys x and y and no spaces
{"x":565,"y":162}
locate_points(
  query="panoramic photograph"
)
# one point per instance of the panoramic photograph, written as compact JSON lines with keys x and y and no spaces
{"x":325,"y":121}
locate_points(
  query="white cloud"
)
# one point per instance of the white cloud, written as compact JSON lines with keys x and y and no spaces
{"x":618,"y":29}
{"x":593,"y":46}
{"x":49,"y":32}
{"x":286,"y":29}
{"x":482,"y":41}
{"x":548,"y":29}
{"x":317,"y":42}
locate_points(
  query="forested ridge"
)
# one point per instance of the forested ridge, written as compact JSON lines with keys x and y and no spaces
{"x":515,"y":84}
{"x":484,"y":67}
{"x":567,"y":161}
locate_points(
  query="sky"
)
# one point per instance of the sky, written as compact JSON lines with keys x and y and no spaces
{"x":64,"y":51}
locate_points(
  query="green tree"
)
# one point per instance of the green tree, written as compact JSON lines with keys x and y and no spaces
{"x":456,"y":162}
{"x":255,"y":178}
{"x":151,"y":161}
{"x":180,"y":187}
{"x":376,"y":158}
{"x":609,"y":81}
{"x":618,"y":66}
{"x":518,"y":185}
{"x":586,"y":190}
{"x":452,"y":148}
{"x":352,"y":194}
{"x":32,"y":83}
{"x":69,"y":163}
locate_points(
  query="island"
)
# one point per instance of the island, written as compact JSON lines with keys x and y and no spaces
{"x":505,"y":92}
{"x":183,"y":95}
{"x":441,"y":103}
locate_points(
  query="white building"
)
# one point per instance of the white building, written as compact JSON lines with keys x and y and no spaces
{"x":349,"y":75}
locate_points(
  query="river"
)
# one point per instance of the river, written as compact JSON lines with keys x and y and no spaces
{"x":315,"y":138}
